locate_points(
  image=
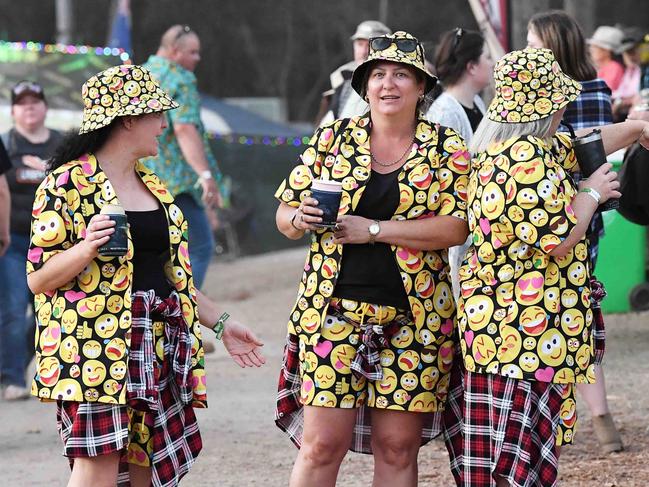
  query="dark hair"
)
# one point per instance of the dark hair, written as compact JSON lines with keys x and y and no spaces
{"x":560,"y":33}
{"x":74,"y":145}
{"x":455,"y":50}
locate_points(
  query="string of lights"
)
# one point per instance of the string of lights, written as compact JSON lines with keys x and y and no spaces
{"x":249,"y":140}
{"x":67,"y":49}
{"x":260,"y":139}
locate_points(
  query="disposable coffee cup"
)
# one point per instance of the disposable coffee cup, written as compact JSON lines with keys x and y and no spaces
{"x":590,"y":154}
{"x":327,"y":193}
{"x":117,"y":245}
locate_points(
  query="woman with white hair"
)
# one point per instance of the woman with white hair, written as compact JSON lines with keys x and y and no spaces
{"x":524,"y":314}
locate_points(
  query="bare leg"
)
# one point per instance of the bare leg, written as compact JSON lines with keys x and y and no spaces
{"x":327,"y":437}
{"x":396,"y":436}
{"x":140,"y":476}
{"x":96,"y":471}
{"x":595,"y":394}
{"x":595,"y":397}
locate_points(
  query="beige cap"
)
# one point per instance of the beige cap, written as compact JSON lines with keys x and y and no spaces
{"x":369,"y":29}
{"x":607,"y":37}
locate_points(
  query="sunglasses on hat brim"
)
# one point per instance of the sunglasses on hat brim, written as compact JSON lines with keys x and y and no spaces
{"x":404,"y":45}
{"x":26,"y":86}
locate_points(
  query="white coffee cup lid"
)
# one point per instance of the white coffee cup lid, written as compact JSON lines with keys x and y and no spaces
{"x":112,"y":210}
{"x":327,"y":185}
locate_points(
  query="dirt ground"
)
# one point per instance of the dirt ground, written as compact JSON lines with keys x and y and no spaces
{"x":242,"y":446}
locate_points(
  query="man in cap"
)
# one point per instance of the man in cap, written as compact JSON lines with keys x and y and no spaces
{"x":627,"y":93}
{"x":185,"y":162}
{"x":29,"y":145}
{"x":341,"y":101}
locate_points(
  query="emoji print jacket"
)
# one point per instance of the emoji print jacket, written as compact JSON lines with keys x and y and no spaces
{"x":432,"y":182}
{"x":522,"y":312}
{"x":83,"y":328}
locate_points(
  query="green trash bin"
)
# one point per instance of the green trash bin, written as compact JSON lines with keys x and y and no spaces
{"x":621,"y":262}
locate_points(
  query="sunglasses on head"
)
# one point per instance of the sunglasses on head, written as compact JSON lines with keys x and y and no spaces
{"x":25,"y":86}
{"x":184,"y":30}
{"x":459,"y":32}
{"x":404,"y":45}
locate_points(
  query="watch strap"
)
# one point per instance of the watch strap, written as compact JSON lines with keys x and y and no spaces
{"x":373,"y":236}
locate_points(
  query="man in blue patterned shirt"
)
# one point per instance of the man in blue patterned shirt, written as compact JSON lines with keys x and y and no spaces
{"x":185,"y":162}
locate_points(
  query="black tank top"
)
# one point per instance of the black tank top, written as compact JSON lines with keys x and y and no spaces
{"x":369,"y":273}
{"x":150,"y":234}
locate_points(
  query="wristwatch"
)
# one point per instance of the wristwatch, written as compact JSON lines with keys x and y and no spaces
{"x":374,"y":229}
{"x":207,"y":174}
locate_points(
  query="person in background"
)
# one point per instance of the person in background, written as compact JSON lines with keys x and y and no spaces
{"x":372,"y":333}
{"x":524,"y":316}
{"x":627,"y":93}
{"x":559,"y":32}
{"x":29,"y":144}
{"x":603,"y":46}
{"x":5,"y":200}
{"x":120,"y":346}
{"x":185,"y":162}
{"x":341,"y":101}
{"x":465,"y":68}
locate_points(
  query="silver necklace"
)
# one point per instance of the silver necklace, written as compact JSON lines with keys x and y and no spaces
{"x":388,"y":164}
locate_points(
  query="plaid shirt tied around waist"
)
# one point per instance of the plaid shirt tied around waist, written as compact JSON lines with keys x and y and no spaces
{"x":142,"y":391}
{"x":373,"y":338}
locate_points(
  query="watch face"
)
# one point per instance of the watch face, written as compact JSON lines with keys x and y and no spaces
{"x":374,"y":228}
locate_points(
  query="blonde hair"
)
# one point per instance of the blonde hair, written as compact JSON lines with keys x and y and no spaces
{"x":489,"y":132}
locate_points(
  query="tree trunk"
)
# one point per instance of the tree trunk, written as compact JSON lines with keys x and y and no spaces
{"x":520,"y":15}
{"x":64,"y":21}
{"x":585,"y":11}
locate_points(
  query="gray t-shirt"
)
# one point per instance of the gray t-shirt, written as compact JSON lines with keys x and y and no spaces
{"x":23,"y":180}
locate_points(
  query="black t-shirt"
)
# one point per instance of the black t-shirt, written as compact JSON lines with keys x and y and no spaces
{"x":23,"y":180}
{"x":5,"y":163}
{"x":475,"y":116}
{"x":370,"y":273}
{"x":150,"y":234}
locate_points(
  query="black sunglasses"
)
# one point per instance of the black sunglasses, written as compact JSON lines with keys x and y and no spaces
{"x":404,"y":45}
{"x":458,"y":37}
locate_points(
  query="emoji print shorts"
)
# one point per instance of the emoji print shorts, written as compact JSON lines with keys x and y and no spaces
{"x":105,"y":427}
{"x":372,"y":355}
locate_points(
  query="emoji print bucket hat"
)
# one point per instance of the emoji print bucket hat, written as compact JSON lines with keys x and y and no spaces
{"x":120,"y":91}
{"x":399,"y":47}
{"x":530,"y":86}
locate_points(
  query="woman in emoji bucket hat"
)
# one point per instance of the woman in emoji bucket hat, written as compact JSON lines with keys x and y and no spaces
{"x":118,"y":336}
{"x":559,"y":32}
{"x":371,"y":337}
{"x":524,"y":313}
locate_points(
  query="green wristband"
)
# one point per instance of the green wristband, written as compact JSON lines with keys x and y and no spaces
{"x":219,"y":326}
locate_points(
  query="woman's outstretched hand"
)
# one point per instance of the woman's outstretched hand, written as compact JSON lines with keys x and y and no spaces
{"x":242,"y":345}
